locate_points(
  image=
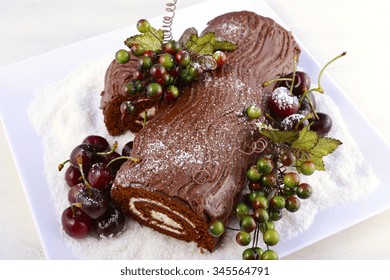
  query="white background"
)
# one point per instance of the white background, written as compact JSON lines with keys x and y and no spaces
{"x":326,"y":28}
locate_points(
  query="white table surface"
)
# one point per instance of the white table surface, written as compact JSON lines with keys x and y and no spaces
{"x":361,"y":27}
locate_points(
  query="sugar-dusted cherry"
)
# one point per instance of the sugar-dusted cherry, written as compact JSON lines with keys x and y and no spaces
{"x":100,"y":177}
{"x":282,"y":103}
{"x":92,"y":201}
{"x":111,"y":223}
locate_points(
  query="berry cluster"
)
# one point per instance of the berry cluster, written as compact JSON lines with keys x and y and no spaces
{"x":159,"y":74}
{"x":271,"y":189}
{"x":92,"y":169}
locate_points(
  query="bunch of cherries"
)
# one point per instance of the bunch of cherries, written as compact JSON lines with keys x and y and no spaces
{"x":159,"y":74}
{"x":292,"y":102}
{"x":92,"y":169}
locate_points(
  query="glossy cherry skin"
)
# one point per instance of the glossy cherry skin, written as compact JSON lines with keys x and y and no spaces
{"x":322,"y":125}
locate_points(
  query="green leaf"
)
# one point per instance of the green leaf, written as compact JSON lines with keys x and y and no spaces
{"x":319,"y":163}
{"x":208,"y":44}
{"x":224,"y":46}
{"x":151,"y":40}
{"x":306,"y":140}
{"x":325,"y":146}
{"x":280,"y":136}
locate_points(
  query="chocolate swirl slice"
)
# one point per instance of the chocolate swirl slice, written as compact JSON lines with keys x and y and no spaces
{"x":195,"y":151}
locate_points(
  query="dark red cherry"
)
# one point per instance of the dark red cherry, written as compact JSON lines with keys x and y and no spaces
{"x":75,"y":222}
{"x":92,"y":201}
{"x":86,"y":153}
{"x":73,"y":176}
{"x":110,"y":223}
{"x":127,"y":148}
{"x":74,"y":192}
{"x":282,"y":103}
{"x":301,"y":83}
{"x":322,"y":125}
{"x":98,"y":142}
{"x":100,"y":177}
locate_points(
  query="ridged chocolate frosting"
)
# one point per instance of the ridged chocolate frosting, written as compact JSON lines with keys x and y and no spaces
{"x":194,"y":150}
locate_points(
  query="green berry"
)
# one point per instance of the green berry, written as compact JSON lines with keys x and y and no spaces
{"x":127,"y":108}
{"x":260,"y":202}
{"x":247,"y":223}
{"x":265,"y":165}
{"x":266,"y":226}
{"x":293,"y":204}
{"x":260,"y":215}
{"x":268,"y":180}
{"x":217,"y":228}
{"x":304,"y":191}
{"x":308,"y":168}
{"x":253,"y":112}
{"x":275,"y":214}
{"x":271,"y":237}
{"x":243,"y":238}
{"x":154,"y":91}
{"x":183,"y":58}
{"x":166,"y":60}
{"x":122,"y":56}
{"x":185,"y":76}
{"x":172,"y":47}
{"x":277,"y":202}
{"x":131,"y":88}
{"x":254,"y":194}
{"x":171,"y":93}
{"x":253,"y":174}
{"x":252,"y":253}
{"x":144,"y":63}
{"x":241,"y":210}
{"x":291,"y":180}
{"x":137,"y":49}
{"x":269,"y":255}
{"x":143,"y":26}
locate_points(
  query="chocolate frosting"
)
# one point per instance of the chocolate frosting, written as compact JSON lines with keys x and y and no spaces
{"x":195,"y":149}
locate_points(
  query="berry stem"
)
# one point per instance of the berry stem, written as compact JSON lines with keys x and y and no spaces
{"x":135,"y":160}
{"x":266,"y":84}
{"x":61,"y":165}
{"x":80,"y":164}
{"x":293,"y":77}
{"x":114,"y":147}
{"x":320,"y":89}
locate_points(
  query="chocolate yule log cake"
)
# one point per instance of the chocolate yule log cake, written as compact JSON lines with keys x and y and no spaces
{"x":195,"y":151}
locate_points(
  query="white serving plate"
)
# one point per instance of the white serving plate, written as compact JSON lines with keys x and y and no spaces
{"x":19,"y":81}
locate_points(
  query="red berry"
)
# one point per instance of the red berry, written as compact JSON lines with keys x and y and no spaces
{"x":75,"y":222}
{"x":220,"y":57}
{"x":282,"y":103}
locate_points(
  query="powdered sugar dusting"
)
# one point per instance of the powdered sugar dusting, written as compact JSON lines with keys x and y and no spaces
{"x":72,"y":105}
{"x":283,"y":99}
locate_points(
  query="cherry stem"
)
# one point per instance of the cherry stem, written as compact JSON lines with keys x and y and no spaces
{"x":114,"y":147}
{"x":80,"y":164}
{"x":133,"y":159}
{"x":145,"y":118}
{"x":308,"y":116}
{"x":61,"y":165}
{"x":266,"y":84}
{"x":306,"y":95}
{"x":293,"y":77}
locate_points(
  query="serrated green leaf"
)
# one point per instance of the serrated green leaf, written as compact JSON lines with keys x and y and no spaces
{"x":151,"y":40}
{"x":224,"y":46}
{"x":319,"y":163}
{"x":280,"y":136}
{"x":306,"y":140}
{"x":208,"y":44}
{"x":325,"y":146}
